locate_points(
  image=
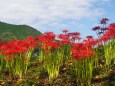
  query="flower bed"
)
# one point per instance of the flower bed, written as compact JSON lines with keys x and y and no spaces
{"x":63,"y":60}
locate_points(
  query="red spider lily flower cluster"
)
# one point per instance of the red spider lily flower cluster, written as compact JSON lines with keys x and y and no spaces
{"x":74,"y":36}
{"x":110,"y":34}
{"x":106,"y":36}
{"x":69,"y":37}
{"x":101,"y":30}
{"x":64,"y":39}
{"x":17,"y":47}
{"x":47,"y":41}
{"x":90,"y":41}
{"x":105,"y":33}
{"x":13,"y":47}
{"x":83,"y":49}
{"x":80,"y":51}
{"x":30,"y":42}
{"x":111,"y":29}
{"x":46,"y":37}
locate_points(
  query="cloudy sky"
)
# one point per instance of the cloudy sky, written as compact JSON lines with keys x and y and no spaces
{"x":56,"y":15}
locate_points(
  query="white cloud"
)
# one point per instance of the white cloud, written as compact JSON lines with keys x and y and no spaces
{"x":41,"y":12}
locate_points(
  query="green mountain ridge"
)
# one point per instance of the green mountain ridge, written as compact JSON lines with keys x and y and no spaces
{"x":20,"y":31}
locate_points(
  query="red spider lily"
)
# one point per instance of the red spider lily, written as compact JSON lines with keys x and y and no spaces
{"x":65,"y":31}
{"x":111,"y":28}
{"x":64,"y":39}
{"x":42,"y":38}
{"x":74,"y":36}
{"x":76,"y":33}
{"x":3,"y":46}
{"x":50,"y":35}
{"x":77,"y":45}
{"x":96,"y":28}
{"x":53,"y":44}
{"x":110,"y":34}
{"x":94,"y":42}
{"x":46,"y":37}
{"x":30,"y":42}
{"x":13,"y":47}
{"x":104,"y":20}
{"x":50,"y":45}
{"x":90,"y":41}
{"x":69,"y":37}
{"x":89,"y":37}
{"x":63,"y":36}
{"x":64,"y":42}
{"x":82,"y":54}
{"x":47,"y":41}
{"x":106,"y":36}
{"x":80,"y":51}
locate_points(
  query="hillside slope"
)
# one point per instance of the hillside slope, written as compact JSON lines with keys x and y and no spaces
{"x":20,"y":31}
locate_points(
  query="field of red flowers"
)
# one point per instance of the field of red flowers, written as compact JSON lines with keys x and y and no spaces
{"x":60,"y":60}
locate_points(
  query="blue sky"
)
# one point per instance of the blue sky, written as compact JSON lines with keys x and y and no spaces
{"x":56,"y":15}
